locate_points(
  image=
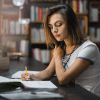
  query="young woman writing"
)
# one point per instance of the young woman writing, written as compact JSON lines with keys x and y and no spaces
{"x":75,"y":57}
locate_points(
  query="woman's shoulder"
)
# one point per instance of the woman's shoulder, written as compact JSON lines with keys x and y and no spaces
{"x":88,"y":43}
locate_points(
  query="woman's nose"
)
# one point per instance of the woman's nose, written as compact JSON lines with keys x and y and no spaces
{"x":55,"y":30}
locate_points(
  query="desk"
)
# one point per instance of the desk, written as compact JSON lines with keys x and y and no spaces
{"x":75,"y":92}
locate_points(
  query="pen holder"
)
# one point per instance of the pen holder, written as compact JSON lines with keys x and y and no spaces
{"x":4,"y":63}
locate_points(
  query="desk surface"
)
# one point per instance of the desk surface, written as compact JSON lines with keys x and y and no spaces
{"x":75,"y":92}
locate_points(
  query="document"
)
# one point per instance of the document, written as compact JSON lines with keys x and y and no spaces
{"x":30,"y":95}
{"x":29,"y":84}
{"x":18,"y":74}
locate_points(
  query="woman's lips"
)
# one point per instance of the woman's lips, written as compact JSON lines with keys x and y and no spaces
{"x":57,"y":35}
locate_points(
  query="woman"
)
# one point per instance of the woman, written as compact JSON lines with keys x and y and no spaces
{"x":74,"y":57}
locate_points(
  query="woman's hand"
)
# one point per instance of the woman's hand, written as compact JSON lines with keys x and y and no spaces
{"x":58,"y":52}
{"x":30,"y":77}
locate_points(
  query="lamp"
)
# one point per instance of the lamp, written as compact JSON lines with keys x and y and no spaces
{"x":20,"y":3}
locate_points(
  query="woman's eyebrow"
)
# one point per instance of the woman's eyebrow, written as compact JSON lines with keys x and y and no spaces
{"x":56,"y":22}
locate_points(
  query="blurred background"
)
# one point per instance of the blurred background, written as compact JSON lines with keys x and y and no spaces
{"x":22,"y":33}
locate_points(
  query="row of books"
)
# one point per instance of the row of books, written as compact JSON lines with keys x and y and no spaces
{"x":78,"y":5}
{"x":37,"y":13}
{"x":19,"y":46}
{"x":13,"y":27}
{"x":38,"y":35}
{"x":42,"y":55}
{"x":95,"y":14}
{"x":44,"y":0}
{"x":94,"y":34}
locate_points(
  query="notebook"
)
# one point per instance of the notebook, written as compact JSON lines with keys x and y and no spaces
{"x":29,"y":84}
{"x":18,"y":74}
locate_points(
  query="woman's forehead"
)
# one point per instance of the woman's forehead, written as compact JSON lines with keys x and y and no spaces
{"x":55,"y":17}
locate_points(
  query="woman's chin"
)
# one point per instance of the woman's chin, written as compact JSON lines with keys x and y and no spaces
{"x":59,"y":39}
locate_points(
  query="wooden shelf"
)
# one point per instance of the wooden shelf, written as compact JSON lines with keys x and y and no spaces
{"x":94,"y":22}
{"x":94,"y":2}
{"x":13,"y":34}
{"x":16,"y":55}
{"x":44,"y":0}
{"x":10,"y":15}
{"x":38,"y":42}
{"x":37,"y":21}
{"x":81,"y":14}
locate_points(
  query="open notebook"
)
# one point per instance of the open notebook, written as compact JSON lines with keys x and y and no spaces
{"x":18,"y":74}
{"x":29,"y":84}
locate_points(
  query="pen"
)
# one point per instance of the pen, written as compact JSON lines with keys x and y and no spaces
{"x":33,"y":93}
{"x":26,"y":70}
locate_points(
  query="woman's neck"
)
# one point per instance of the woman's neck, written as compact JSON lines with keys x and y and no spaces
{"x":70,"y":49}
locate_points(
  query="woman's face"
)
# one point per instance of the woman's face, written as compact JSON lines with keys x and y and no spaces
{"x":58,"y":27}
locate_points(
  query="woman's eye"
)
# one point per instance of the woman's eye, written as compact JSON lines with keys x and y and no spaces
{"x":58,"y":25}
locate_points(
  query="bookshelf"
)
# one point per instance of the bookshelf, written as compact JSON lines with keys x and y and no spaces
{"x":11,"y":31}
{"x":37,"y":40}
{"x":94,"y":21}
{"x":36,"y":22}
{"x":44,"y":0}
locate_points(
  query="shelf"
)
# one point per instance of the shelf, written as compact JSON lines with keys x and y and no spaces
{"x":10,"y":15}
{"x":94,"y":21}
{"x":38,"y":42}
{"x":44,"y":0}
{"x":16,"y":55}
{"x":36,"y":21}
{"x":81,"y":14}
{"x":14,"y":35}
{"x":94,"y":2}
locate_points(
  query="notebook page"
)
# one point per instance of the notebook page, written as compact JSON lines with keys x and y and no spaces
{"x":6,"y":80}
{"x":18,"y":74}
{"x":29,"y":84}
{"x":38,"y":84}
{"x":3,"y":79}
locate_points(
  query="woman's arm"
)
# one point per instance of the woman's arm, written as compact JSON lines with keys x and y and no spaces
{"x":43,"y":75}
{"x":66,"y":76}
{"x":48,"y":72}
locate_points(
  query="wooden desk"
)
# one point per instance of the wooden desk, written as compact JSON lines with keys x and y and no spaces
{"x":75,"y":92}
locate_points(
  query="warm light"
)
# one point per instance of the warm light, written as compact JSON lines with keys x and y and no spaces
{"x":24,"y":20}
{"x":18,"y":2}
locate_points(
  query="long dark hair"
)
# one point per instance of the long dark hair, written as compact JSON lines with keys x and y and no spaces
{"x":74,"y":30}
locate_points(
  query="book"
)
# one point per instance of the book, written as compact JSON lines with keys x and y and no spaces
{"x":24,"y":44}
{"x":29,"y":84}
{"x":41,"y":55}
